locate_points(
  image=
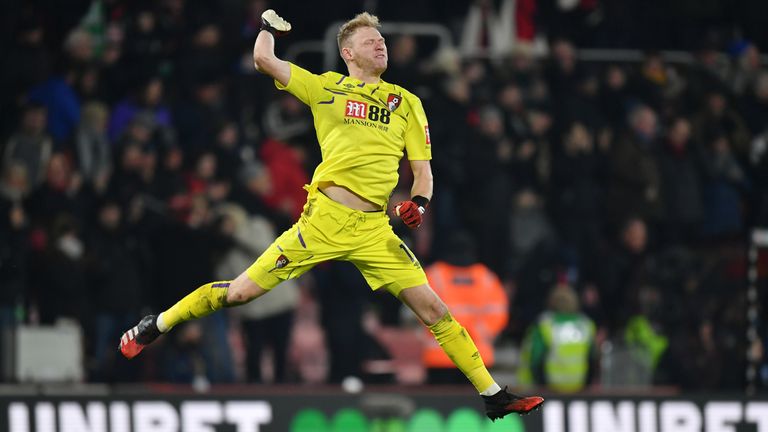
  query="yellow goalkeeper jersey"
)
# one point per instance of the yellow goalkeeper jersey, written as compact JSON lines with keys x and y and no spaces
{"x":363,"y":130}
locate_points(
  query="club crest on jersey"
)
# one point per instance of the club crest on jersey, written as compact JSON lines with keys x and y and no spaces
{"x":356,"y":109}
{"x":393,"y":101}
{"x":281,"y":261}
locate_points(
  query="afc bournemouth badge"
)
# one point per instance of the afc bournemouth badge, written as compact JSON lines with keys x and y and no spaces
{"x":281,"y":262}
{"x":393,"y":101}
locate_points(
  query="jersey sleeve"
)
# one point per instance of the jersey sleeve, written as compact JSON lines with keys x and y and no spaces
{"x":417,"y":142}
{"x":303,"y":84}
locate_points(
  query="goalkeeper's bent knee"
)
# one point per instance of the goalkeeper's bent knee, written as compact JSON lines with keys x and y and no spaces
{"x":197,"y":304}
{"x":460,"y":348}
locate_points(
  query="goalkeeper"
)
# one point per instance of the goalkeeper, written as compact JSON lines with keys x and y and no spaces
{"x":364,"y":125}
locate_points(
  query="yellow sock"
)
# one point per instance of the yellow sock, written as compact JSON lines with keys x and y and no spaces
{"x":197,"y":304}
{"x":457,"y":343}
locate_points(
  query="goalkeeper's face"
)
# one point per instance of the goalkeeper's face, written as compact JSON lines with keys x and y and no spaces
{"x":368,"y":50}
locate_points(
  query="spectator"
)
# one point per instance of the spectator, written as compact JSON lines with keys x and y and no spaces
{"x":533,"y":256}
{"x":170,"y":178}
{"x":14,"y":229}
{"x":756,"y":106}
{"x":583,"y":106}
{"x":476,"y":297}
{"x":622,"y":269}
{"x":114,"y":78}
{"x":135,"y":175}
{"x":635,"y":181}
{"x":60,"y":194}
{"x":204,"y":173}
{"x":287,"y":177}
{"x":250,"y":192}
{"x":531,"y":159}
{"x":707,"y":357}
{"x":182,"y":360}
{"x":146,"y":46}
{"x":184,"y":249}
{"x":62,"y":289}
{"x":718,"y":117}
{"x":265,"y":324}
{"x":288,"y":120}
{"x":746,"y":67}
{"x":79,"y":46}
{"x":94,"y":151}
{"x":530,"y":226}
{"x":489,"y":160}
{"x":203,"y":54}
{"x":680,"y":177}
{"x":635,"y":359}
{"x":559,"y":350}
{"x":562,"y":71}
{"x":450,"y":107}
{"x":403,"y":64}
{"x":29,"y":63}
{"x":229,"y":150}
{"x":707,"y":75}
{"x":342,"y":322}
{"x":724,"y":183}
{"x":30,"y":146}
{"x":138,"y":133}
{"x":146,"y":105}
{"x":651,"y":84}
{"x":614,"y":96}
{"x":510,"y":100}
{"x":576,"y":194}
{"x":759,"y":163}
{"x":481,"y":83}
{"x":195,"y":120}
{"x":116,"y":280}
{"x":58,"y":96}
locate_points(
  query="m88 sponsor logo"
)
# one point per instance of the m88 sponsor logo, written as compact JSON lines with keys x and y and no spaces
{"x":363,"y":110}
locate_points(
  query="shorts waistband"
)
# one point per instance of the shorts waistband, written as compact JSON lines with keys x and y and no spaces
{"x":339,"y":206}
{"x":342,"y":206}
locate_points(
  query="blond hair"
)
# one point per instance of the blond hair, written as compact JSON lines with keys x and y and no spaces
{"x":346,"y":30}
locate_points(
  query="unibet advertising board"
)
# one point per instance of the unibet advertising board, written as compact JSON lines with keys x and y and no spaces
{"x":400,"y":412}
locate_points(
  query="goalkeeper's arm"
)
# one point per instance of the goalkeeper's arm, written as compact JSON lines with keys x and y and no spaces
{"x":264,"y":58}
{"x":422,"y":179}
{"x":421,"y":192}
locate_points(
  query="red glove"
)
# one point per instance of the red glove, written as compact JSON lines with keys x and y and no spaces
{"x":410,"y":213}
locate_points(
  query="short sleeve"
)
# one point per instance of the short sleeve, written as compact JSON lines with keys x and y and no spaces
{"x":303,"y":84}
{"x":417,"y":142}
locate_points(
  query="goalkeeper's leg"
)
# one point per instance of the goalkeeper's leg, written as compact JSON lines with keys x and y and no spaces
{"x":461,"y":349}
{"x":197,"y":304}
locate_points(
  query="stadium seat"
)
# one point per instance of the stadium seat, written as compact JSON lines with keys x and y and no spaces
{"x":49,"y":353}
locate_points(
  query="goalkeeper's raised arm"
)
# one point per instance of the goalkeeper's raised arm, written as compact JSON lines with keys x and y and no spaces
{"x":264,"y":58}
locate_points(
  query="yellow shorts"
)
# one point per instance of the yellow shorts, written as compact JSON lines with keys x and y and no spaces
{"x":328,"y":230}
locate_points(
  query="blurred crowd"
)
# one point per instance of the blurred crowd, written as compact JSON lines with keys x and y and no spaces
{"x":142,"y":156}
